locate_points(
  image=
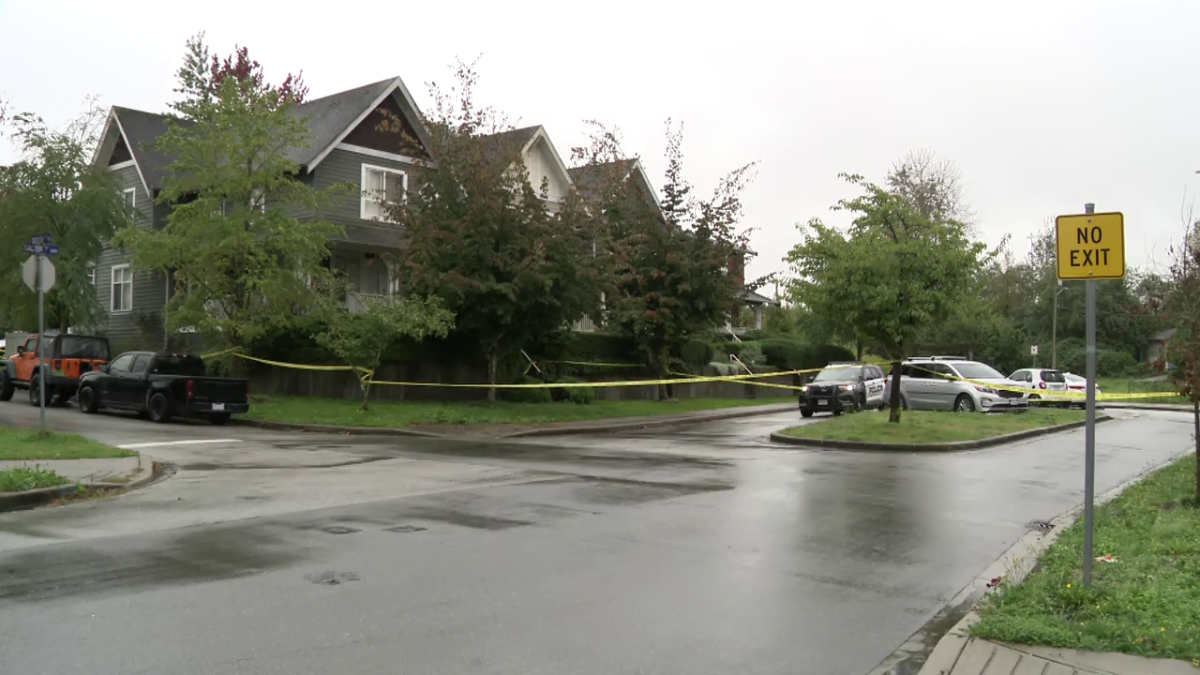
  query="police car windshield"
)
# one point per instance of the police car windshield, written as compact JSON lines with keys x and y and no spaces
{"x":977,"y":371}
{"x":840,"y":374}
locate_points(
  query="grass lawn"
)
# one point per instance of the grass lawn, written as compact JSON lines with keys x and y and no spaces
{"x":930,"y":427}
{"x":395,"y":414}
{"x":29,"y":478}
{"x":1112,"y":386}
{"x":18,"y":444}
{"x":1147,"y":602}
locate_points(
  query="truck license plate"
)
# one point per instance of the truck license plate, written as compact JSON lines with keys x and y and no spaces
{"x":822,"y":401}
{"x":218,"y":407}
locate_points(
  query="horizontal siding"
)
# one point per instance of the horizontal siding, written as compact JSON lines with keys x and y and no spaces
{"x":344,"y":166}
{"x":141,"y":327}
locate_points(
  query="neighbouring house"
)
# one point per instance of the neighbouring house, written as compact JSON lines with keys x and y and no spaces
{"x":347,"y":146}
{"x":1157,"y":348}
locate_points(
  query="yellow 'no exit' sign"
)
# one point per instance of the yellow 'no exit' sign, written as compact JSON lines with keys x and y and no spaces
{"x":1091,"y":246}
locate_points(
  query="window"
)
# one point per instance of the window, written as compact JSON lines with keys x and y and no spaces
{"x":31,"y":345}
{"x":129,"y":198}
{"x":1053,"y":376}
{"x":122,"y":289}
{"x":121,"y":365}
{"x":91,"y":274}
{"x":140,"y":364}
{"x":977,"y":371}
{"x":380,"y":185}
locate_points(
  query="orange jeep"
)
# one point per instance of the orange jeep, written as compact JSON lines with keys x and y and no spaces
{"x":56,"y":360}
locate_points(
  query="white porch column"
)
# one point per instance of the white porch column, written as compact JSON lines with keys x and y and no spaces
{"x":758,"y":314}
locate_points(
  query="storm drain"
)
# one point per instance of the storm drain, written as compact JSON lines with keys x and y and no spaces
{"x":338,"y":529}
{"x":1039,"y":526}
{"x":405,"y":529}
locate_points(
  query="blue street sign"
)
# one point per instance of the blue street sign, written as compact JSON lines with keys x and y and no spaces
{"x":41,"y":239}
{"x":52,"y":250}
{"x":30,"y":248}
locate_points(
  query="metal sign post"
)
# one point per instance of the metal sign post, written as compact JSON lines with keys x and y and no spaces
{"x":1090,"y":247}
{"x":41,"y":279}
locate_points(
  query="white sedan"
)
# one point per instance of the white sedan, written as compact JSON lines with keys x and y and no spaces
{"x":1078,"y":383}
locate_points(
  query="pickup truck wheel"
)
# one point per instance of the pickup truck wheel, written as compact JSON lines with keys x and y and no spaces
{"x":6,"y":387}
{"x":159,"y":408}
{"x":218,"y":419}
{"x":87,"y":400}
{"x":806,"y":413}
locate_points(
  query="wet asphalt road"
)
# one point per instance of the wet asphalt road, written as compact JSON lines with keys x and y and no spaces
{"x":698,"y":550}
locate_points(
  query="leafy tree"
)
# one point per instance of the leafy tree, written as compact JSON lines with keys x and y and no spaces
{"x":932,"y":185}
{"x":361,"y":339}
{"x":481,"y":238}
{"x":894,"y":274}
{"x":1182,"y":307}
{"x":241,"y":260}
{"x":670,"y":264}
{"x":55,"y":189}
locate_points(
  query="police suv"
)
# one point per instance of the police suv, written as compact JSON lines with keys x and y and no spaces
{"x":843,"y":386}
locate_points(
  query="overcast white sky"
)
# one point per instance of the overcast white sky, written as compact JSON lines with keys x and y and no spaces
{"x":1042,"y":105}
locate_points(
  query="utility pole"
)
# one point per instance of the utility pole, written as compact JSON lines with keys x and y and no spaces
{"x":41,"y":347}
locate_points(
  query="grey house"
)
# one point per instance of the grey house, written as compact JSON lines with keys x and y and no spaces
{"x":346,"y":147}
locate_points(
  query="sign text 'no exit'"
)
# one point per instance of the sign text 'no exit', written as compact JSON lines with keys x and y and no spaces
{"x":1091,"y":246}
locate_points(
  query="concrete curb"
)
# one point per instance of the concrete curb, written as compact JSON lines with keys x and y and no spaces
{"x":616,"y":426}
{"x":1163,"y":407}
{"x":934,"y":649}
{"x":331,"y":429}
{"x":931,"y":447}
{"x":20,"y":501}
{"x":665,"y":421}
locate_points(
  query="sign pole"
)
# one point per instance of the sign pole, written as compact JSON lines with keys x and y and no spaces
{"x":1089,"y":471}
{"x":41,"y":347}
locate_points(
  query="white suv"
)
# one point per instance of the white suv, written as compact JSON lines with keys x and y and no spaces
{"x":1044,"y":382}
{"x":939,"y":383}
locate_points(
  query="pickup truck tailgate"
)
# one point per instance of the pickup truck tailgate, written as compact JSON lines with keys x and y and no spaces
{"x":219,"y":390}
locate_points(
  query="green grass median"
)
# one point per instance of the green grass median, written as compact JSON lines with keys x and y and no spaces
{"x":398,"y":414}
{"x":20,"y":444}
{"x":1145,"y":601}
{"x":930,"y":427}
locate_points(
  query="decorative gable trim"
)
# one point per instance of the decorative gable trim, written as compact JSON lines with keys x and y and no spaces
{"x":107,"y":144}
{"x":397,"y":85}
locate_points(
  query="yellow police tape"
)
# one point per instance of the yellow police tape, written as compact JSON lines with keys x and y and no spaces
{"x":366,"y":375}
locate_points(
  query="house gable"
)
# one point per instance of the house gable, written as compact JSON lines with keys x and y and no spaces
{"x":330,"y":131}
{"x":120,"y":153}
{"x":543,"y":163}
{"x":368,"y":133}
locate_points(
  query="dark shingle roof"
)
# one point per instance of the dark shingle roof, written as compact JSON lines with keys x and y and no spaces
{"x":508,"y":142}
{"x":329,"y":116}
{"x":142,"y":129}
{"x":326,"y":118}
{"x":587,"y":177}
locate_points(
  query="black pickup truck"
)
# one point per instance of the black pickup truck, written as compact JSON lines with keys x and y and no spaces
{"x":162,"y":386}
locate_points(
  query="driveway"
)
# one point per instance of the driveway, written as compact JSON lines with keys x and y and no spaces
{"x":700,"y":549}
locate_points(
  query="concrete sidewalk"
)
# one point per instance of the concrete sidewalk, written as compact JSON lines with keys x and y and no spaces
{"x":113,"y":471}
{"x":1166,"y":407}
{"x":957,"y":654}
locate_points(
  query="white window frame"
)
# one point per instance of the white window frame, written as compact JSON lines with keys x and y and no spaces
{"x":132,"y":192}
{"x":91,"y":274}
{"x":365,"y":198}
{"x":112,"y":288}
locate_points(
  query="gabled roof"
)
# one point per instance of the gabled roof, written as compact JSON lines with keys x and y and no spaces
{"x":329,"y":119}
{"x":519,"y":141}
{"x":588,"y":176}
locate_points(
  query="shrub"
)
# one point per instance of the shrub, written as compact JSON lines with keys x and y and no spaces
{"x":785,"y":354}
{"x":1114,"y":363}
{"x":751,"y":354}
{"x":596,"y":346}
{"x":540,"y":395}
{"x":697,"y":352}
{"x":576,"y":395}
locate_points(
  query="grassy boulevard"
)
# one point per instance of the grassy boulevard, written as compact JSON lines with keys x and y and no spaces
{"x":24,"y":444}
{"x":1146,"y":602}
{"x":397,"y":414}
{"x":930,"y":427}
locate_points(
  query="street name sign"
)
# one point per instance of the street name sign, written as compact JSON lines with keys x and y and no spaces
{"x":1090,"y":246}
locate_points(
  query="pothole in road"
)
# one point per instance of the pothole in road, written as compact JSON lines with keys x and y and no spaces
{"x":338,"y":529}
{"x":331,"y":578}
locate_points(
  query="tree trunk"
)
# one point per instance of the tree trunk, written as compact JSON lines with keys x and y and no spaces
{"x":858,"y":350}
{"x":492,"y":359}
{"x":366,"y":392}
{"x":235,"y":363}
{"x":1196,"y":437}
{"x":894,"y":410}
